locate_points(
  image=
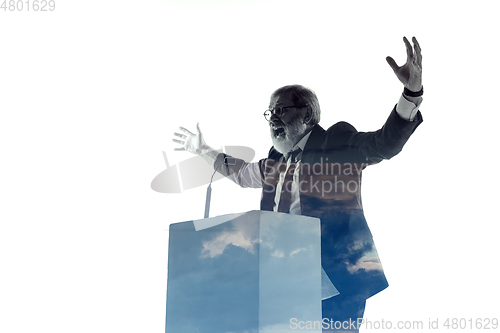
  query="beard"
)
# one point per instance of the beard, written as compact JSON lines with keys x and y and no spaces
{"x":285,"y":136}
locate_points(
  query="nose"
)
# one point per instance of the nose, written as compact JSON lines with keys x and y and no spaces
{"x":273,"y":117}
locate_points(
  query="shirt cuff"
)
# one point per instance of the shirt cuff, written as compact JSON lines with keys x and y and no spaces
{"x":212,"y":156}
{"x":407,"y":109}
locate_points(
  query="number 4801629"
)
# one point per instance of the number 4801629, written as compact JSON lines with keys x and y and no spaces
{"x":28,"y":5}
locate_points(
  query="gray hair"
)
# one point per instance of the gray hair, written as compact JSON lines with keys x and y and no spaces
{"x":302,"y":96}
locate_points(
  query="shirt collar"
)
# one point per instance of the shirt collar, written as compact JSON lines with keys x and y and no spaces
{"x":302,"y":142}
{"x":299,"y":145}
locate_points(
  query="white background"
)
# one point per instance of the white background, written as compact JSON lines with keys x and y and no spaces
{"x":91,"y":93}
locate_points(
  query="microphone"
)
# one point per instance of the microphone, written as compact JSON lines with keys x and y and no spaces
{"x":227,"y":162}
{"x":207,"y":201}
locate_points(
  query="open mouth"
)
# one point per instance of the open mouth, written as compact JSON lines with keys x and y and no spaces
{"x":278,"y":132}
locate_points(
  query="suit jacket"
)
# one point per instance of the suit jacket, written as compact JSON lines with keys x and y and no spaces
{"x":330,"y":189}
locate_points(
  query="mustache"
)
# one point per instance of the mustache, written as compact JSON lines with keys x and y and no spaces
{"x":276,"y":123}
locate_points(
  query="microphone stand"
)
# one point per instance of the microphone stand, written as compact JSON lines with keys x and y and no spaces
{"x":209,"y":188}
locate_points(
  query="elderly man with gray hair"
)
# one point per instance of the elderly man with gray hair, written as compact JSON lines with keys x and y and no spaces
{"x":315,"y":172}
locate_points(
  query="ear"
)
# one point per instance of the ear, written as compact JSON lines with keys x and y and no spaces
{"x":307,"y":115}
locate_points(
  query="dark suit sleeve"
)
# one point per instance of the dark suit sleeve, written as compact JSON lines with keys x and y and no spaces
{"x":373,"y":147}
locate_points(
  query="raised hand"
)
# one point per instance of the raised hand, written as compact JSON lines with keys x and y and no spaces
{"x":191,"y":142}
{"x":410,"y":74}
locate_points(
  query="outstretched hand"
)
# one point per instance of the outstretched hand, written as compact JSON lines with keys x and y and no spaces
{"x":191,"y":142}
{"x":410,"y":74}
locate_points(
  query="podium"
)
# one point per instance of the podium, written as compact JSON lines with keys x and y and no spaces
{"x":252,"y":272}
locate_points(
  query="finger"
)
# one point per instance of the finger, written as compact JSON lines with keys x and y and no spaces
{"x":392,"y":63}
{"x":418,"y":51}
{"x":179,"y":149}
{"x":178,"y":141}
{"x":409,"y":50}
{"x":185,"y":130}
{"x":198,"y":128}
{"x":415,"y":41}
{"x":182,"y":136}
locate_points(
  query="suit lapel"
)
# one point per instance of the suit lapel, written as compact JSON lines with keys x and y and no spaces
{"x":313,"y":148}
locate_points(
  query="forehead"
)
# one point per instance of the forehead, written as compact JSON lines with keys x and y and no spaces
{"x":281,"y":99}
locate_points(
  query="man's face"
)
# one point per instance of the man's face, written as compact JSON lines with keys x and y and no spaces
{"x":287,"y":129}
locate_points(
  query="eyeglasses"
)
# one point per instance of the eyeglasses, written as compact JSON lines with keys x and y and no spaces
{"x":279,"y":112}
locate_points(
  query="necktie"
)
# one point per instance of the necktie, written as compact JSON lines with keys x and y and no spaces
{"x":286,"y":189}
{"x":294,"y":154}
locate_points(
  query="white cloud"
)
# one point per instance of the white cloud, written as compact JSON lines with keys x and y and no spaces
{"x":278,"y":254}
{"x":217,"y":245}
{"x":297,"y":251}
{"x":366,"y":263}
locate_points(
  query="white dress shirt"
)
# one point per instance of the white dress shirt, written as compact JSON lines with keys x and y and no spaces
{"x":295,"y":200}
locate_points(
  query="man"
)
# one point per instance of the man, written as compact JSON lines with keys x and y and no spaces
{"x":313,"y":172}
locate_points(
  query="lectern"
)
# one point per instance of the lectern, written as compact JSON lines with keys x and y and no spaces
{"x":252,"y":272}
